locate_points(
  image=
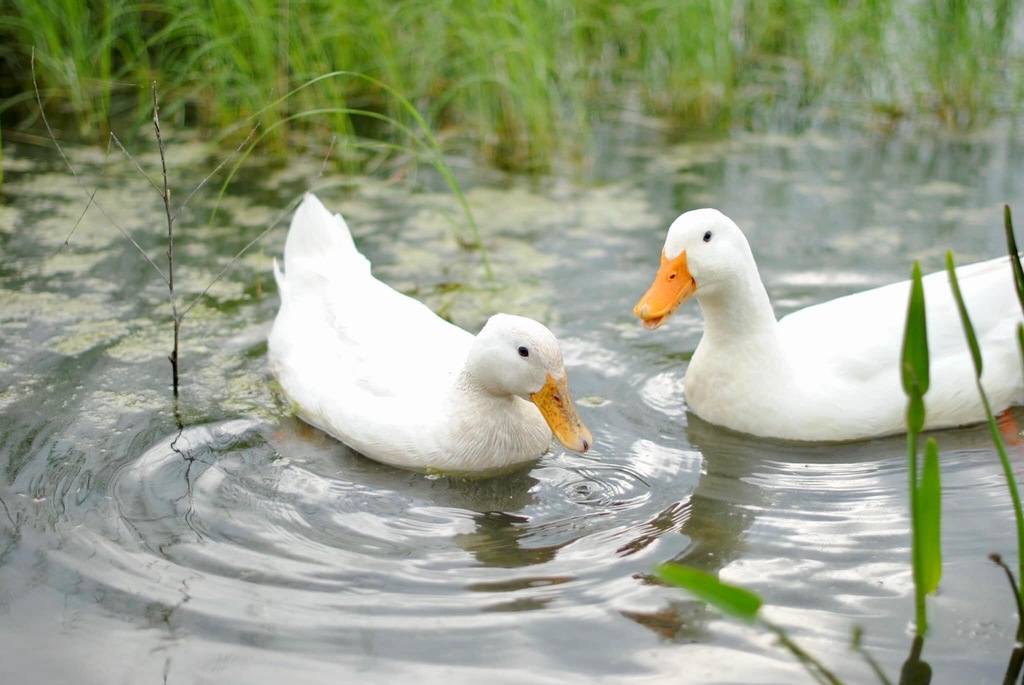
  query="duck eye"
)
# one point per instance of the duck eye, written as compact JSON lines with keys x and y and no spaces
{"x":707,"y":237}
{"x":523,"y":352}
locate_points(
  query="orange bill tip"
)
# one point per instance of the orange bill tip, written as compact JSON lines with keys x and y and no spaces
{"x":555,"y":404}
{"x":672,"y":286}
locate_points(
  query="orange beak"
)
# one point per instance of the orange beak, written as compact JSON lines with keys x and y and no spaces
{"x":555,"y":404}
{"x":672,"y":286}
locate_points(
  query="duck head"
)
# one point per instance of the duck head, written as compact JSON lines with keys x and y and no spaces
{"x":513,"y":355}
{"x":703,"y":249}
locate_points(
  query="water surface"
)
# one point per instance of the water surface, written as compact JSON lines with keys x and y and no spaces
{"x":249,"y":547}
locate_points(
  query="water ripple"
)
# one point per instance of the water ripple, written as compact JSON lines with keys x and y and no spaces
{"x":228,"y":517}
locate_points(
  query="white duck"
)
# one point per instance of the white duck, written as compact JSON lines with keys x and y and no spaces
{"x":829,"y":372}
{"x":392,"y":380}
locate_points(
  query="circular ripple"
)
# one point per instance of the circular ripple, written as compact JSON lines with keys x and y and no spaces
{"x":241,"y":528}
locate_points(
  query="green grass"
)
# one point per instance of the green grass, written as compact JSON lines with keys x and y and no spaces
{"x":516,"y":84}
{"x":925,"y":489}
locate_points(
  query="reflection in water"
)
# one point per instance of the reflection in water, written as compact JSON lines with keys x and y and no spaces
{"x":793,"y":520}
{"x":498,"y":541}
{"x":915,"y":671}
{"x":276,"y":535}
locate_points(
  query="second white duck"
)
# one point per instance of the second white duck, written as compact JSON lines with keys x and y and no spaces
{"x":385,"y":375}
{"x":830,"y":372}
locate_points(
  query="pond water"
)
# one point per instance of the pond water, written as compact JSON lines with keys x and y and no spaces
{"x":251,"y":548}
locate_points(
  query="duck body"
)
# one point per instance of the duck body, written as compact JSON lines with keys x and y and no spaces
{"x":829,"y":372}
{"x":385,"y":375}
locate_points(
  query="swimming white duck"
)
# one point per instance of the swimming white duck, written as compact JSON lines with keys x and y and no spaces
{"x":829,"y":372}
{"x":389,"y":378}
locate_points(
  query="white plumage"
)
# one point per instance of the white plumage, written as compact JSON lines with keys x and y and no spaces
{"x":385,"y":375}
{"x":830,"y":371}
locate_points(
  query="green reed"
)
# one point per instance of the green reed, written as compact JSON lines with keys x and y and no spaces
{"x":741,"y":603}
{"x":519,"y":84}
{"x":416,"y":140}
{"x":963,"y":44}
{"x":925,"y":488}
{"x":997,"y":438}
{"x":1016,"y":663}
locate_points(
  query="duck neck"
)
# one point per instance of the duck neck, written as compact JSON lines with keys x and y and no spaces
{"x":506,"y":428}
{"x":740,"y":315}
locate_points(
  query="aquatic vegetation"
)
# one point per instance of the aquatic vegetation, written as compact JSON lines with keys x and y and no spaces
{"x":1016,"y":663}
{"x":180,"y":310}
{"x":744,"y":604}
{"x":415,"y":141}
{"x":519,"y":86}
{"x":925,"y":489}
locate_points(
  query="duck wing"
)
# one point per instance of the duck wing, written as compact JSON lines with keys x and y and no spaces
{"x":858,"y":339}
{"x":341,"y":332}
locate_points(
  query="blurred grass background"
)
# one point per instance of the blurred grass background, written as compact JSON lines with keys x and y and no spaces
{"x":516,"y":84}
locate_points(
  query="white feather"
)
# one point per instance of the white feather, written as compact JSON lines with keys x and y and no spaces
{"x":832,"y":371}
{"x":385,"y":375}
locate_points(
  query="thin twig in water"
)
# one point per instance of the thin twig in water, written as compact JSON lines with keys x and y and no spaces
{"x":92,"y":198}
{"x":330,"y":149}
{"x":998,"y":561}
{"x":131,"y":159}
{"x":177,"y":314}
{"x":170,"y":243}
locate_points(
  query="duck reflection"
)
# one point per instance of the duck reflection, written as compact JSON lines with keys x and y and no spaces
{"x":834,"y":513}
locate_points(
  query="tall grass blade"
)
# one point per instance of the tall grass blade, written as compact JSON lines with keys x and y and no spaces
{"x":965,"y":319}
{"x":425,"y":139}
{"x":741,"y":603}
{"x":993,"y":427}
{"x":915,"y":376}
{"x":729,"y":599}
{"x":927,"y":528}
{"x":1020,"y":342}
{"x":1016,"y":663}
{"x":1011,"y":249}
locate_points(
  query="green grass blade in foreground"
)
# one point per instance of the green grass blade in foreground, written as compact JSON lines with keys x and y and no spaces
{"x":1011,"y":249}
{"x":965,"y":319}
{"x":741,"y":603}
{"x":915,"y":354}
{"x":928,"y":519}
{"x":915,"y":378}
{"x":729,"y":599}
{"x":993,"y":427}
{"x":876,"y":668}
{"x":1020,"y":343}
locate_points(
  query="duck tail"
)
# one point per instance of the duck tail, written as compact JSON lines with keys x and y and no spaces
{"x":319,"y":241}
